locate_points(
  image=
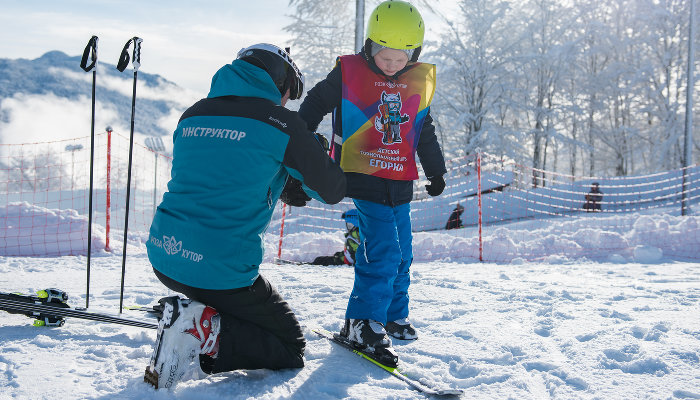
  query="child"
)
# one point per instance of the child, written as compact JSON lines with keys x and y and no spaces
{"x":593,"y":198}
{"x":455,"y":219}
{"x":380,"y":99}
{"x":352,"y":242}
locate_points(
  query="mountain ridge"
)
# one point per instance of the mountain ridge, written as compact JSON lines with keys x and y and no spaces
{"x":39,"y":77}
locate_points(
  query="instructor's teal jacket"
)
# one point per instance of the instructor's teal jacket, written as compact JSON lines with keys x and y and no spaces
{"x":232,"y":154}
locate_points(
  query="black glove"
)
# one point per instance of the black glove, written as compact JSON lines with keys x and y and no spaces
{"x":324,"y":142}
{"x":293,"y":194}
{"x":436,"y":185}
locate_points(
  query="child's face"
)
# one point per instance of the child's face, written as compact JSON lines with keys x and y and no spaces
{"x":391,"y":61}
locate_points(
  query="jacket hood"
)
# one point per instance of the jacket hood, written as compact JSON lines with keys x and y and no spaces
{"x":241,"y":78}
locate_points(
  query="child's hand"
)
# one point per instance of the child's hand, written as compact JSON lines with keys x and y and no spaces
{"x":436,"y":185}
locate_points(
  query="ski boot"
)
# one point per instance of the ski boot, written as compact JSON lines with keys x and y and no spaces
{"x":369,"y":337}
{"x":186,"y":330}
{"x":401,"y":329}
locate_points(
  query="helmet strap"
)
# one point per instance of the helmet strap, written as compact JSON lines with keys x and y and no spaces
{"x":416,"y":53}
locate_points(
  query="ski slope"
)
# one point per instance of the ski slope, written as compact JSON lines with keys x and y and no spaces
{"x":557,"y":329}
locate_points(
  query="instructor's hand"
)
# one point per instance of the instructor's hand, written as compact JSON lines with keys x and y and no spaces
{"x":293,"y":194}
{"x":323,"y":141}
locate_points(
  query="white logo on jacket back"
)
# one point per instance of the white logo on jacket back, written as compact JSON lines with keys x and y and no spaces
{"x":172,"y":247}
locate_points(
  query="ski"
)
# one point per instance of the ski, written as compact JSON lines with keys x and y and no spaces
{"x":56,"y":297}
{"x":283,"y":261}
{"x":42,"y":308}
{"x":155,"y":310}
{"x":426,"y":388}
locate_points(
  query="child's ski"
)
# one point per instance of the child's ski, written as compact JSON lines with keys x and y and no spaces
{"x":427,"y":388}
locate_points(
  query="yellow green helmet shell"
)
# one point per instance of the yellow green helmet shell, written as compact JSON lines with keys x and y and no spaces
{"x":397,"y":25}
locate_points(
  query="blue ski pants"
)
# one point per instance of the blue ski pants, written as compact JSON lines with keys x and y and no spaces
{"x":382,"y":263}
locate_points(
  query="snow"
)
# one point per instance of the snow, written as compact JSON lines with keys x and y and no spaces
{"x":563,"y":327}
{"x":27,"y":229}
{"x":651,"y":236}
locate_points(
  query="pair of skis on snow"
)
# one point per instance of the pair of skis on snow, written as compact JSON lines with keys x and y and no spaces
{"x":50,"y":308}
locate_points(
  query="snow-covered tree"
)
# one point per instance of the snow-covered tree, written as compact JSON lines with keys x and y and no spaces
{"x":321,"y":31}
{"x":473,"y":57}
{"x":663,"y":46}
{"x":546,"y":51}
{"x":592,"y":88}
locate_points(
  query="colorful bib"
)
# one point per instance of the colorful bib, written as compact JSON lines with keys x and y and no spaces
{"x":382,"y":119}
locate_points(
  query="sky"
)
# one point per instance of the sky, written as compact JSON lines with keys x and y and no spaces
{"x":184,"y":41}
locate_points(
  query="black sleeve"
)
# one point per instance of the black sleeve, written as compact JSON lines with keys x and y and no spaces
{"x":429,"y":151}
{"x":322,"y":99}
{"x":306,"y":160}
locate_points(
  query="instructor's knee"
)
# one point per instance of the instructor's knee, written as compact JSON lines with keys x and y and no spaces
{"x":296,"y":354}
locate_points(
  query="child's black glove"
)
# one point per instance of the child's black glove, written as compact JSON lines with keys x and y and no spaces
{"x":293,"y":194}
{"x":324,"y":142}
{"x":436,"y":185}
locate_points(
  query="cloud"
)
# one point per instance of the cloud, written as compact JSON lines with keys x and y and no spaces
{"x":47,"y":117}
{"x":164,"y":91}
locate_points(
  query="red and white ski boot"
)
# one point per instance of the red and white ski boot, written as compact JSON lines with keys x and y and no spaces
{"x":187,"y":329}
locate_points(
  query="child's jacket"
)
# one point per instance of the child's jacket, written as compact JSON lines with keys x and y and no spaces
{"x":384,"y":121}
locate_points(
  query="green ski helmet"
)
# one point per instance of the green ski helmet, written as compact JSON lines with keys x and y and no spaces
{"x":397,"y":25}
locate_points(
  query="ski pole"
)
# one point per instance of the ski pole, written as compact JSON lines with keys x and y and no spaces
{"x":91,"y":52}
{"x":121,"y":66}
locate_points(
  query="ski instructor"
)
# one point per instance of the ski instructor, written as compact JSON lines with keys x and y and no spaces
{"x":233,"y":152}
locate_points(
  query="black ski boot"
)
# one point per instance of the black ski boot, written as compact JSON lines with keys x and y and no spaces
{"x":401,"y":329}
{"x":369,"y":336}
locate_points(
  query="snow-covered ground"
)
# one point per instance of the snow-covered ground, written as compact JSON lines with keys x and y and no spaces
{"x":561,"y":330}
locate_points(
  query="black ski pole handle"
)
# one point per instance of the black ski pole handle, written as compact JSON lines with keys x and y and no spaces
{"x":124,"y":57}
{"x":90,"y":52}
{"x":136,"y":59}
